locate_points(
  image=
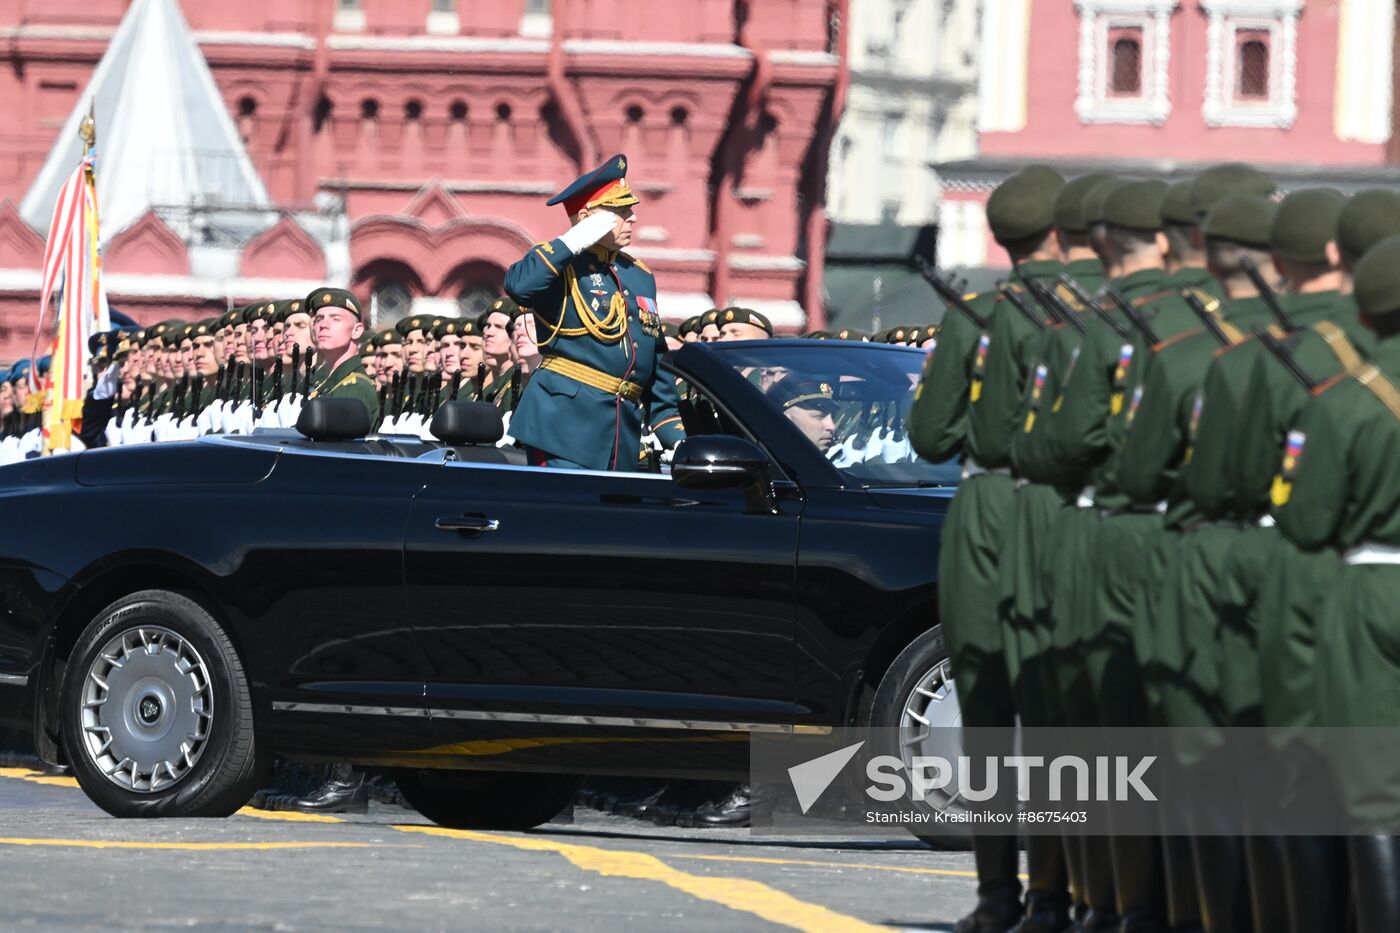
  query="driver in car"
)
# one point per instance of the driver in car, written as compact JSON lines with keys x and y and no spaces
{"x":810,"y":406}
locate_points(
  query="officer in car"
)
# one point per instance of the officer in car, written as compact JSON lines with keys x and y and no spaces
{"x":810,"y":406}
{"x":599,"y":332}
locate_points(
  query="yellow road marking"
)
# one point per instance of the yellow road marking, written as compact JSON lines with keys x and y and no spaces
{"x":37,"y":777}
{"x":952,"y":873}
{"x":290,"y":816}
{"x":740,"y":894}
{"x":736,"y":893}
{"x":189,"y":846}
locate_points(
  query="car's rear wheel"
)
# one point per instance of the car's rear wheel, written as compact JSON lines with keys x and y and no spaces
{"x":157,"y":716}
{"x":486,"y":799}
{"x":917,"y":701}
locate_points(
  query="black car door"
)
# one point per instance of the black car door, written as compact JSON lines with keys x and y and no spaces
{"x":560,"y":603}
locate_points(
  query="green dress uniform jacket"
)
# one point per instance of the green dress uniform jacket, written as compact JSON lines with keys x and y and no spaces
{"x":1344,"y":497}
{"x":970,"y":542}
{"x":348,"y":380}
{"x":1208,"y":619}
{"x":1160,"y":431}
{"x":600,"y":334}
{"x":1081,"y":431}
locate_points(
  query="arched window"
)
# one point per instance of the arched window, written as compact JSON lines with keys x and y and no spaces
{"x":1125,"y":75}
{"x":475,"y":299}
{"x":1252,"y":68}
{"x":413,"y":110}
{"x":503,"y":111}
{"x":635,"y":114}
{"x":458,"y":110}
{"x":679,"y":116}
{"x":389,"y":301}
{"x":369,"y":108}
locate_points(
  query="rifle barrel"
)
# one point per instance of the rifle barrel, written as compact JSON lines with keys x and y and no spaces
{"x":1134,"y":316}
{"x":1207,"y":319}
{"x":1266,"y":293}
{"x":1088,"y":301}
{"x":949,"y":294}
{"x":1284,"y":356}
{"x":1010,"y":295}
{"x":1051,"y":302}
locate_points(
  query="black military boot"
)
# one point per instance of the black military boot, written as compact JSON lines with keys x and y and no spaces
{"x":732,"y":811}
{"x":1074,"y":866}
{"x":1047,"y":891}
{"x":1315,"y":873}
{"x":1179,"y":875}
{"x":1098,"y":886}
{"x":344,"y":792}
{"x":998,"y":888}
{"x":1264,"y":860}
{"x":1223,"y":883}
{"x":1375,"y":882}
{"x":1137,"y":880}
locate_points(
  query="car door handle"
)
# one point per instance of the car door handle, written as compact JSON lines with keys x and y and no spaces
{"x":466,"y":524}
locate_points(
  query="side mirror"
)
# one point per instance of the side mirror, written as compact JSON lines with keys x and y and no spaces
{"x":722,"y":461}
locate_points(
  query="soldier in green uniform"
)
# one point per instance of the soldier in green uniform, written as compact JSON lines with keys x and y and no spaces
{"x":1338,"y":494}
{"x":1204,"y":626}
{"x":949,"y":418}
{"x":1022,"y":594}
{"x":456,"y":384}
{"x":1281,"y":587}
{"x":708,"y":326}
{"x":1160,"y":419}
{"x":1185,"y":255}
{"x":337,"y":323}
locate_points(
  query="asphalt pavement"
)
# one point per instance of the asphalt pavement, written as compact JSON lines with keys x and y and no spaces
{"x":64,"y":864}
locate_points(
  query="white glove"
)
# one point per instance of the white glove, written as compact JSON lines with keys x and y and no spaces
{"x":588,"y":231}
{"x":106,"y":386}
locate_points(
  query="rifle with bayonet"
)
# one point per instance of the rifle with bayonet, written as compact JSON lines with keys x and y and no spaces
{"x":951,"y":296}
{"x":1208,"y":320}
{"x":1267,"y":294}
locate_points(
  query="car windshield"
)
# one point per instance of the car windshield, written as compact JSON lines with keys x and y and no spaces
{"x":851,"y":400}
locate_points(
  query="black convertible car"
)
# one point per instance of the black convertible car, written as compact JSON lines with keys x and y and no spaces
{"x":173,"y":615}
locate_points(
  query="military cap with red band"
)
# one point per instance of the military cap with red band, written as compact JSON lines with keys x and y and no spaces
{"x":605,"y":186}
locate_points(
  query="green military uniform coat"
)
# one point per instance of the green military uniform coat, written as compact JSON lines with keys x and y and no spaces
{"x":348,"y":380}
{"x":1345,"y":492}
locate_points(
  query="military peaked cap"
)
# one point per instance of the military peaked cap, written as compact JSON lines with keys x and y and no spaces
{"x":605,"y":186}
{"x":334,"y":298}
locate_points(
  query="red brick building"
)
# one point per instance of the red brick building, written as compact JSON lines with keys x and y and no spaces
{"x":1157,"y":88}
{"x":407,"y":146}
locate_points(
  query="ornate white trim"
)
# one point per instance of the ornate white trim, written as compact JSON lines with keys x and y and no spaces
{"x":1280,"y":19}
{"x":1096,"y":18}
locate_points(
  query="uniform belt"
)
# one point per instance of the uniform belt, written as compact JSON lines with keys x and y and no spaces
{"x":596,"y":378}
{"x":971,"y":468}
{"x":1364,"y":554}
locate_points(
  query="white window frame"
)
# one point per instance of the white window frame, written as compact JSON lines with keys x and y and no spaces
{"x":1279,"y":18}
{"x":1097,"y":18}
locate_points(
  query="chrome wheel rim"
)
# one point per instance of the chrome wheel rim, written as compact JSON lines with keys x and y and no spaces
{"x":148,"y":707}
{"x":930,"y":721}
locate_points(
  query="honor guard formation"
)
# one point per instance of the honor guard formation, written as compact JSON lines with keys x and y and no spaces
{"x":1175,"y":423}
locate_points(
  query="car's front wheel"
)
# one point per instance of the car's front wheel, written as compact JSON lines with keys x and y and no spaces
{"x":916,"y":706}
{"x":486,"y":799}
{"x":157,"y":716}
